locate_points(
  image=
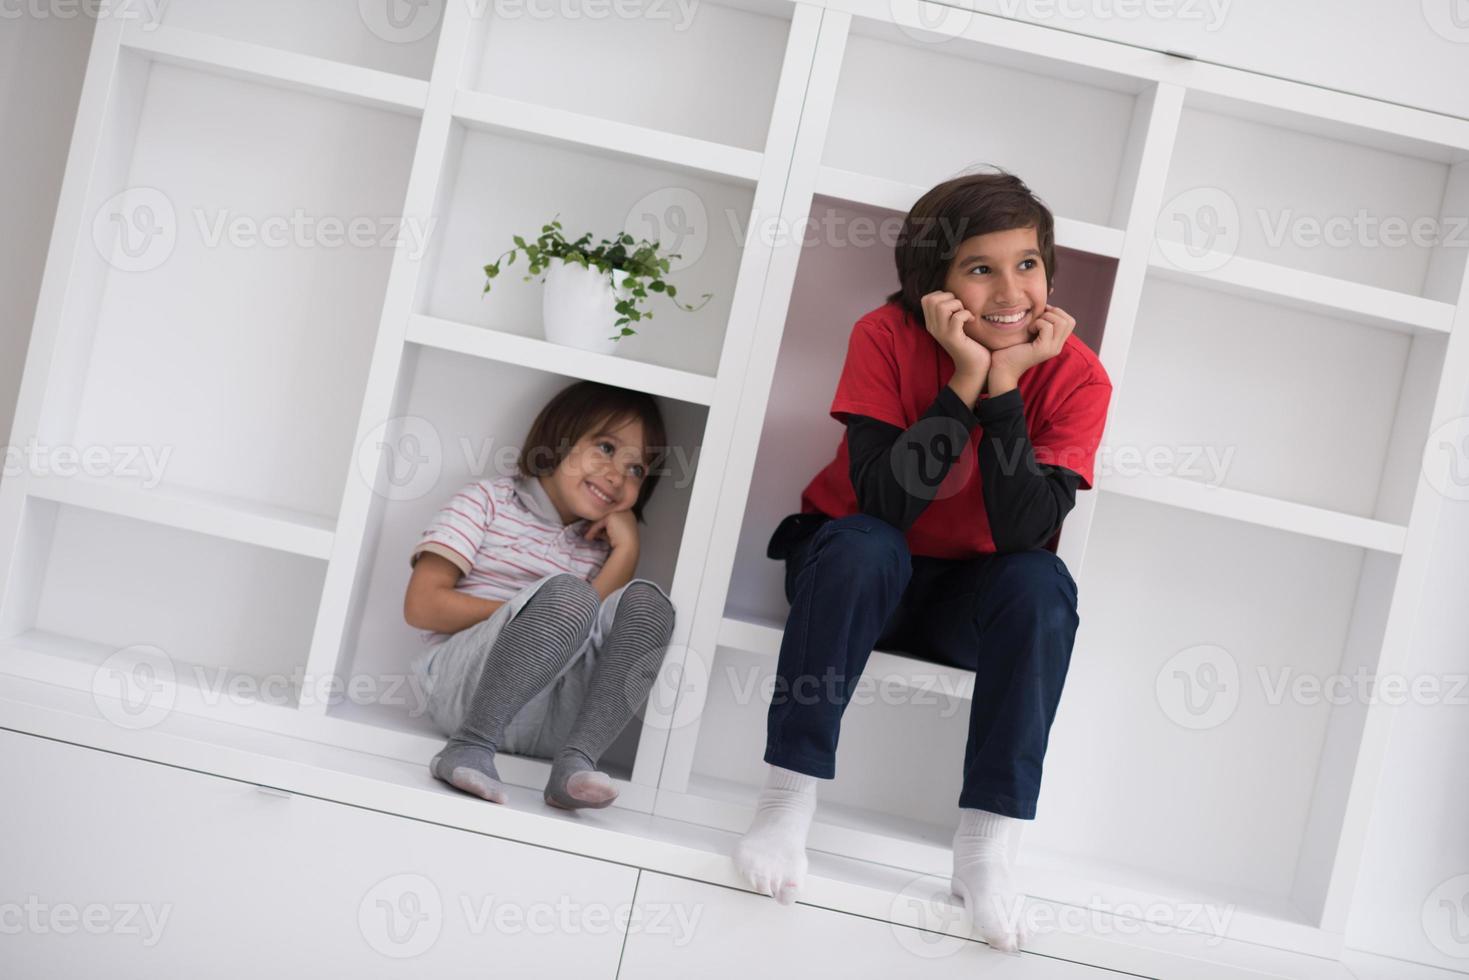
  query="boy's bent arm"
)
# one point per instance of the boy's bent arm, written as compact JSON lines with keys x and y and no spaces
{"x":897,"y":472}
{"x":433,"y":603}
{"x":1025,"y":500}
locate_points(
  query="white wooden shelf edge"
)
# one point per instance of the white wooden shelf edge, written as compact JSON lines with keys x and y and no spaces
{"x":1284,"y":515}
{"x":231,"y":518}
{"x":299,"y":71}
{"x":886,"y":668}
{"x":1323,"y":295}
{"x":541,"y":355}
{"x":640,"y":142}
{"x":896,"y":195}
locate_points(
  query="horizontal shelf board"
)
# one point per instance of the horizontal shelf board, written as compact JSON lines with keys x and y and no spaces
{"x":910,"y":672}
{"x":1310,"y":291}
{"x":235,"y":519}
{"x":895,"y":195}
{"x":892,"y":840}
{"x":1284,"y":515}
{"x":241,"y":59}
{"x":542,"y":355}
{"x":518,"y":118}
{"x":68,"y":661}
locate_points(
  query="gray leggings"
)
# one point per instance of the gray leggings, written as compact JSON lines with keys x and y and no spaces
{"x":450,"y":672}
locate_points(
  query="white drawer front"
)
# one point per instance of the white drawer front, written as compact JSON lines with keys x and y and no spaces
{"x":114,"y":866}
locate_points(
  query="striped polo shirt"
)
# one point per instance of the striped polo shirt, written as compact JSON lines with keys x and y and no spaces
{"x":504,"y":535}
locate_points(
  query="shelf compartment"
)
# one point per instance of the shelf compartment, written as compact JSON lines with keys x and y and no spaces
{"x":497,"y":186}
{"x":614,"y":72}
{"x":560,"y":126}
{"x":909,"y":672}
{"x":1309,"y":291}
{"x":215,"y":297}
{"x":1035,"y":112}
{"x":299,"y":72}
{"x":1253,"y":508}
{"x":1262,"y":398}
{"x":541,"y":355}
{"x":357,"y":35}
{"x":468,"y":418}
{"x":1369,"y":210}
{"x":893,"y":195}
{"x":234,"y":519}
{"x":233,"y":619}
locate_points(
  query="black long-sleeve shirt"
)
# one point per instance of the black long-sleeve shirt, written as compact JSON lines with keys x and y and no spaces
{"x":897,"y":472}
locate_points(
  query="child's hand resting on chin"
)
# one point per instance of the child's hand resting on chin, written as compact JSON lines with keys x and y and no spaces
{"x":1051,"y":330}
{"x":944,"y":315}
{"x":619,"y":529}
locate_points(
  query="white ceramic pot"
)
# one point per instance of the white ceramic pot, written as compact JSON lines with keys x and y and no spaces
{"x":579,"y":306}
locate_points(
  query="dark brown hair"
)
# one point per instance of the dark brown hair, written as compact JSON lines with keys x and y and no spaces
{"x":959,"y":209}
{"x":587,"y":407}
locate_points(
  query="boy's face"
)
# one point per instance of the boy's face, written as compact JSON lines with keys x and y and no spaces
{"x":602,"y":473}
{"x":996,"y":274}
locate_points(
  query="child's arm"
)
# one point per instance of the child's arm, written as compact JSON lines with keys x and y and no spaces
{"x":620,"y":528}
{"x":432,"y":602}
{"x":1025,"y":500}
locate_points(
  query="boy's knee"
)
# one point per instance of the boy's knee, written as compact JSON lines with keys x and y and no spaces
{"x":861,"y":544}
{"x":647,"y":601}
{"x":1038,"y":582}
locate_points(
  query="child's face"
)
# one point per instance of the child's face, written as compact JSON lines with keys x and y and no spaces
{"x":601,"y":474}
{"x":1000,"y":273}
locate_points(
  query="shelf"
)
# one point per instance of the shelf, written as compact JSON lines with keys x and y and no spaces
{"x":74,"y":663}
{"x":894,"y":668}
{"x":235,"y":519}
{"x":541,"y":355}
{"x":1284,"y":515}
{"x":510,"y":116}
{"x":895,"y":195}
{"x":1308,"y":291}
{"x":240,"y":59}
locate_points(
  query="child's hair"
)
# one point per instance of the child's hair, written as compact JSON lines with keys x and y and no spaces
{"x":957,"y":209}
{"x":585,"y":407}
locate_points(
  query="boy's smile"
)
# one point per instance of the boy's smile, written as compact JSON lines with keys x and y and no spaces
{"x":999,"y":278}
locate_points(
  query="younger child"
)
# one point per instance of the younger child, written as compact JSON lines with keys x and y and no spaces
{"x":972,"y":418}
{"x":539,"y":641}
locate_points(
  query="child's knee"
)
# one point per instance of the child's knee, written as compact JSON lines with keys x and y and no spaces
{"x":648,"y":603}
{"x":573,"y":596}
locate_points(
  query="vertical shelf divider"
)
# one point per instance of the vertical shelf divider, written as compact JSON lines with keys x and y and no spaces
{"x":703,"y":625}
{"x":356,"y":506}
{"x":662,"y":719}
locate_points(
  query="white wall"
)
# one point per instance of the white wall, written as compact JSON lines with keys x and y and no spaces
{"x":41,"y":66}
{"x":1418,"y":837}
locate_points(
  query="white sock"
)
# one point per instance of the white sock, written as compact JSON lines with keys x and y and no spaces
{"x":772,"y":854}
{"x":982,"y":855}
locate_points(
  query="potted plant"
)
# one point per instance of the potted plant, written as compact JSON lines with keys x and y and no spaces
{"x":592,"y":292}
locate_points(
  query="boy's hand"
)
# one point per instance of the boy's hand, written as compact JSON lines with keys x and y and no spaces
{"x":944,"y":315}
{"x":1009,"y":363}
{"x":619,"y":528}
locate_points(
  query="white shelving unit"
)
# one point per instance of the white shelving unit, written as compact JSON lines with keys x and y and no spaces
{"x":319,"y":403}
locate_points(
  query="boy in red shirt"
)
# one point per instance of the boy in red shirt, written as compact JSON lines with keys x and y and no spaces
{"x":972,"y":418}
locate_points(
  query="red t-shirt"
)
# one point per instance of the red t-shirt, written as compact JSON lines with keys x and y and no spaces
{"x":893,"y":372}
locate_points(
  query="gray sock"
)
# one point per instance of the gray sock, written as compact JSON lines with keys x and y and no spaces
{"x":528,"y":653}
{"x":625,"y":671}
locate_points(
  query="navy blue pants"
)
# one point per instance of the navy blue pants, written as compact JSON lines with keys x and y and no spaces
{"x":1010,"y":618}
